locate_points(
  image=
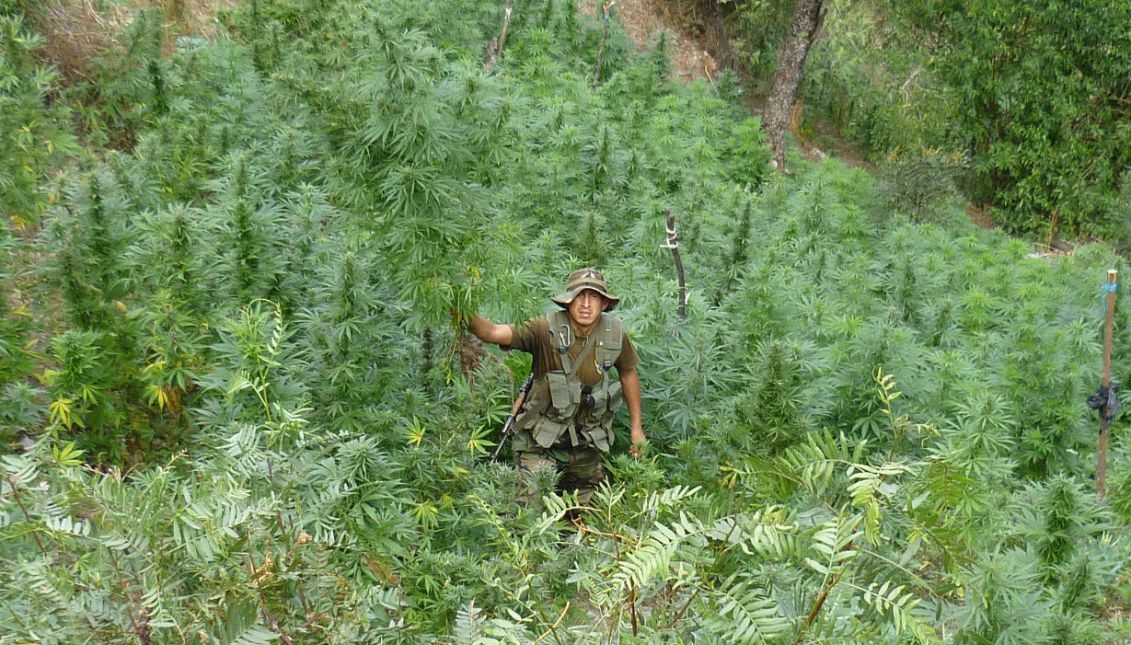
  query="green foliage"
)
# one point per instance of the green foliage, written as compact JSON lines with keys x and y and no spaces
{"x":1121,"y":216}
{"x":1032,"y":97}
{"x":21,"y":404}
{"x":921,"y":186}
{"x":1007,"y":607}
{"x":1039,"y":94}
{"x":747,"y":154}
{"x":129,"y":86}
{"x":34,"y":134}
{"x":260,"y":419}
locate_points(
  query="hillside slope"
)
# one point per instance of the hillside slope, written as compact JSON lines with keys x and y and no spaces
{"x":250,"y":416}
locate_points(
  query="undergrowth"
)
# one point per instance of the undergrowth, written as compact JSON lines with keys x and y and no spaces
{"x":250,"y":421}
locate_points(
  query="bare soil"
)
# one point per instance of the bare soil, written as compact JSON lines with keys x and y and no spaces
{"x":77,"y":31}
{"x":644,"y":21}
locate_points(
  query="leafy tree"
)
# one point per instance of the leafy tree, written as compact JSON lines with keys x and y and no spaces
{"x":803,"y":30}
{"x":1041,"y":94}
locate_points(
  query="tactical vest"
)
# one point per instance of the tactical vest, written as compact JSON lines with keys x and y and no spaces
{"x":558,"y":409}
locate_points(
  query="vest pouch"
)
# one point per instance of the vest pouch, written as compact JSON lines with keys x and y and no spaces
{"x":608,"y":349}
{"x":564,"y":398}
{"x":597,"y":423}
{"x":613,"y":398}
{"x":536,"y":403}
{"x":554,"y":420}
{"x":599,"y":437}
{"x":546,"y":431}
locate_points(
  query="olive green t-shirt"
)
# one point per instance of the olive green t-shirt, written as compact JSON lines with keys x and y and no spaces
{"x":533,"y":337}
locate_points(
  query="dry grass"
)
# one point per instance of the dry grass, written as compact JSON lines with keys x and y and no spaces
{"x":75,"y":34}
{"x":643,"y":20}
{"x":980,"y":215}
{"x":77,"y":31}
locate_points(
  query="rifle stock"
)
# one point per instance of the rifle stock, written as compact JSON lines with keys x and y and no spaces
{"x":508,"y":427}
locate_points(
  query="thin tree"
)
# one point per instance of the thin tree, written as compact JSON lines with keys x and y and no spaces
{"x":802,"y":32}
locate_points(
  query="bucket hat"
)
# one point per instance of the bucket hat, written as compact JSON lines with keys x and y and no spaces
{"x":581,"y":280}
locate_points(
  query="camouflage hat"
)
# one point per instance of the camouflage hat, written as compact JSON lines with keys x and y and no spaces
{"x":581,"y":280}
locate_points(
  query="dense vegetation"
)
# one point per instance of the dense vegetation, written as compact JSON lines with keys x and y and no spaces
{"x":236,"y":406}
{"x":1024,"y":103}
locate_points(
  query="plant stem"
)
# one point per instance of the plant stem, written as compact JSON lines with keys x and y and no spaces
{"x":552,"y":629}
{"x":632,"y":608}
{"x":263,"y":601}
{"x":601,"y":47}
{"x":140,"y":630}
{"x":1105,"y":382}
{"x":27,"y":515}
{"x":825,"y":589}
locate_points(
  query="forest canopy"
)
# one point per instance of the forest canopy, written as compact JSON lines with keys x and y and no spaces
{"x":239,"y":403}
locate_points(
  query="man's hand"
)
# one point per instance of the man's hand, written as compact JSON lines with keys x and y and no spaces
{"x":636,"y":450}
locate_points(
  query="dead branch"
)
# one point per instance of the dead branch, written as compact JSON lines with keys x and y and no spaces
{"x":506,"y":26}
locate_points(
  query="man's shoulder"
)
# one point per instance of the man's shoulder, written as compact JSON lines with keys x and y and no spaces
{"x":614,"y":323}
{"x":531,"y":331}
{"x":540,"y":324}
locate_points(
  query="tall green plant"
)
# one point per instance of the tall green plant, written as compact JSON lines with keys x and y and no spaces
{"x":35,"y":133}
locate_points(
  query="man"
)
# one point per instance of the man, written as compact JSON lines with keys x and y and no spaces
{"x":566,"y":423}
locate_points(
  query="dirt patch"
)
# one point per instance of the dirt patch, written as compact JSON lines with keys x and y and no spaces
{"x":77,"y":31}
{"x":980,"y":215}
{"x":644,"y":21}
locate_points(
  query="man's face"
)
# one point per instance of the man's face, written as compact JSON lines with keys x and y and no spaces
{"x":586,"y":308}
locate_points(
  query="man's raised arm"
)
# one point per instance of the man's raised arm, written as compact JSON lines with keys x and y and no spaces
{"x":490,"y":332}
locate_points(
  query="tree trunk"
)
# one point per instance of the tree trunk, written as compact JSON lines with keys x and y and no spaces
{"x":791,"y":61}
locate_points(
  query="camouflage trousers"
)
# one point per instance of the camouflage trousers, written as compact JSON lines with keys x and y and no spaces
{"x":578,"y":468}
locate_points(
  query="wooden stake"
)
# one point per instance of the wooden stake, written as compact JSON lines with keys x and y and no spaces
{"x":673,"y":244}
{"x":496,"y":45}
{"x":1105,"y":381}
{"x":506,"y":27}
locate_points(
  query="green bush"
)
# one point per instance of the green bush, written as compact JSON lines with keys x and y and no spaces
{"x":747,"y":154}
{"x":921,"y":186}
{"x":34,"y":131}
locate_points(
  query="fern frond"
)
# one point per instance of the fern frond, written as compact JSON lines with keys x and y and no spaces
{"x":472,"y":628}
{"x":555,"y":507}
{"x":813,"y":463}
{"x":64,"y":524}
{"x":745,"y":614}
{"x":254,"y":635}
{"x":866,"y":485}
{"x":19,"y":469}
{"x":766,"y":531}
{"x":831,"y":547}
{"x":668,"y":497}
{"x":900,"y":605}
{"x":655,"y":552}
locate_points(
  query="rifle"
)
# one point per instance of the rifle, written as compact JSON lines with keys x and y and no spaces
{"x":508,"y":427}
